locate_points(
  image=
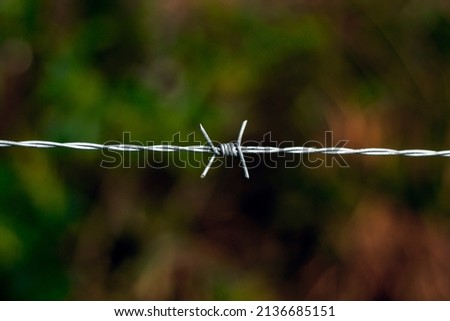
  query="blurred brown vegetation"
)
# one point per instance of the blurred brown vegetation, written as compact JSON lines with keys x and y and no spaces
{"x":374,"y":72}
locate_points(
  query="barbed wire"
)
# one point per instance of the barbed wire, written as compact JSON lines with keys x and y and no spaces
{"x":226,"y":149}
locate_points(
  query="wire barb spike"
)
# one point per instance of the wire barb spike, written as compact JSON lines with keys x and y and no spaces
{"x":229,"y":149}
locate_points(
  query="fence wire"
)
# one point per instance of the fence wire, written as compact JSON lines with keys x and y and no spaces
{"x":227,"y":149}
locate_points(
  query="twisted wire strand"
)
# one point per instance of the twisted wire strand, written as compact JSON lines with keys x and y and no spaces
{"x":95,"y":146}
{"x":345,"y":151}
{"x":228,"y":149}
{"x":234,"y":149}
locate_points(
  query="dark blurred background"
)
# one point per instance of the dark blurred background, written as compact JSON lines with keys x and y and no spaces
{"x":376,"y":73}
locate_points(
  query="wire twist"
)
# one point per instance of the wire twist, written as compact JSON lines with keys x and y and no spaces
{"x":228,"y":149}
{"x":233,"y":149}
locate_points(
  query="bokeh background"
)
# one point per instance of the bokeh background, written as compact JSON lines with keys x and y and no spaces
{"x":376,"y":73}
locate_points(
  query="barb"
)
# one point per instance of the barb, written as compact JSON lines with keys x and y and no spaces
{"x":234,"y":149}
{"x":229,"y":149}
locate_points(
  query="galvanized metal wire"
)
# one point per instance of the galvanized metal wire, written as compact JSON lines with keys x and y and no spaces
{"x":227,"y":149}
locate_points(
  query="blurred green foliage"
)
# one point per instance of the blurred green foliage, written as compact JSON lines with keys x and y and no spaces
{"x":375,"y":73}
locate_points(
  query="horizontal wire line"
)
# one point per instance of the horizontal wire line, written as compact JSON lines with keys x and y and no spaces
{"x":244,"y":149}
{"x":235,"y":149}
